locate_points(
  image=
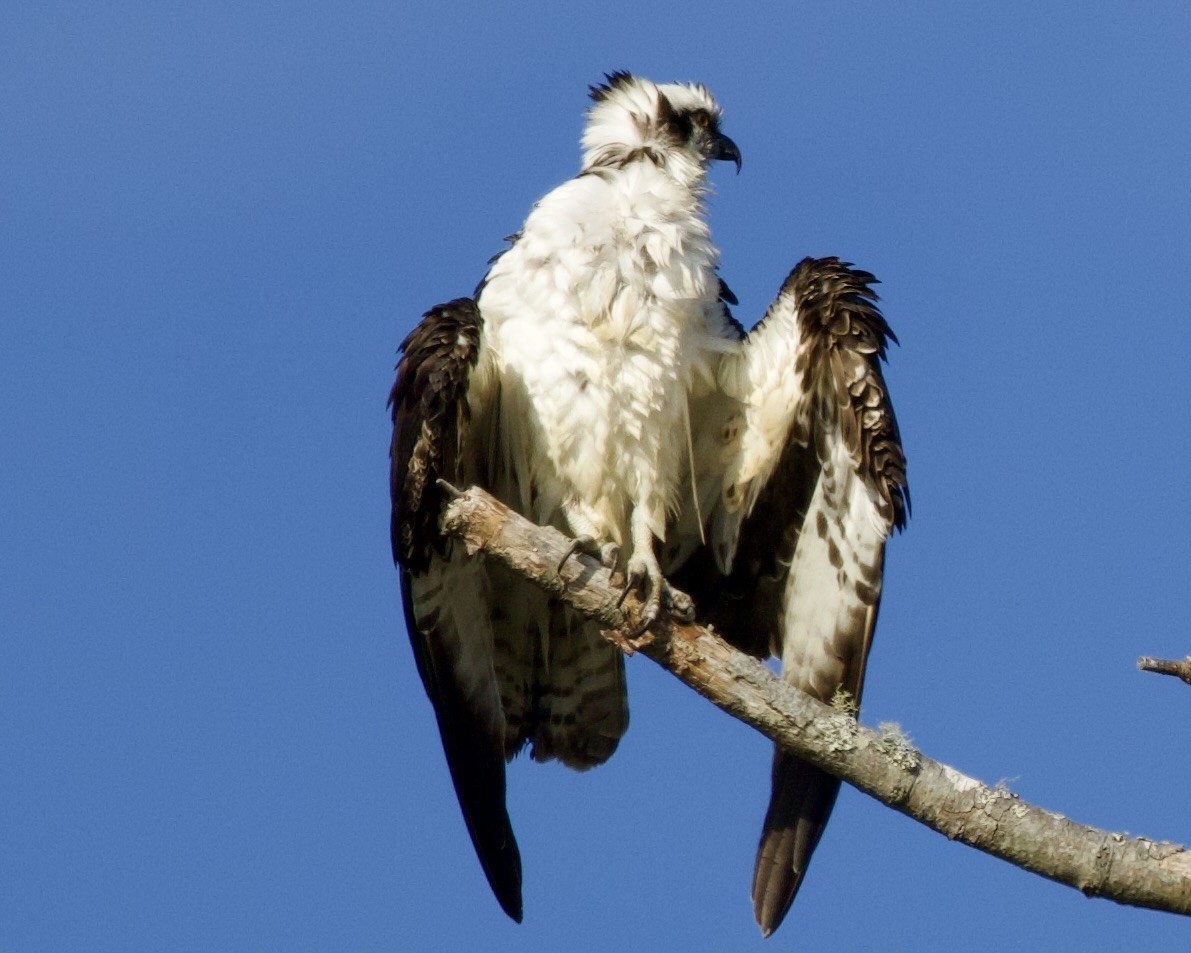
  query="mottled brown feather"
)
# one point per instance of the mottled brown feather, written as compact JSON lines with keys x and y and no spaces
{"x":849,"y":337}
{"x":846,"y":338}
{"x":429,"y":407}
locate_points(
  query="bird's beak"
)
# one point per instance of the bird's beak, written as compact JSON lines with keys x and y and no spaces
{"x":725,"y":149}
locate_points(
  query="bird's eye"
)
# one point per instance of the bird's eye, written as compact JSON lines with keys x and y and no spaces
{"x":701,"y":118}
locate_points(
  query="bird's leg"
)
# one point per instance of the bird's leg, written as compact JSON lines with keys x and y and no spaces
{"x":645,"y":574}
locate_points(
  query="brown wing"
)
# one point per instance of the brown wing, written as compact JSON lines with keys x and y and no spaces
{"x":445,"y":595}
{"x":802,"y":579}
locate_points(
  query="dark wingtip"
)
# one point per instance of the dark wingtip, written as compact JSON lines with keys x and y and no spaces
{"x":476,"y":763}
{"x":510,"y":903}
{"x":500,"y":860}
{"x":496,"y":847}
{"x":800,"y":803}
{"x":773,"y":894}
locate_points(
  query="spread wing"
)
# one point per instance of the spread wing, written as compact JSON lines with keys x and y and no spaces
{"x":815,"y":482}
{"x":445,"y":595}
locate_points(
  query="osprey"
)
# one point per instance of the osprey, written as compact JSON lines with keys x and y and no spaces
{"x":598,"y":383}
{"x":560,"y":388}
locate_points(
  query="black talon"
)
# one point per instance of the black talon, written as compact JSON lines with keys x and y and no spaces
{"x":588,"y":546}
{"x":575,"y":548}
{"x":632,"y":579}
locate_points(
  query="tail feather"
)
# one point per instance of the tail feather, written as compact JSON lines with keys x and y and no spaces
{"x":582,"y":708}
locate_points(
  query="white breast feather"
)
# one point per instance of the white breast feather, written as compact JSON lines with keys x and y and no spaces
{"x":601,"y":313}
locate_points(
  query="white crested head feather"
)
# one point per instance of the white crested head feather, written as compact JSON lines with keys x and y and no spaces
{"x":634,"y":118}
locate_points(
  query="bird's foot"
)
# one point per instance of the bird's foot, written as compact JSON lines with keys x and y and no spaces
{"x":645,"y":576}
{"x":680,"y":606}
{"x":606,"y":553}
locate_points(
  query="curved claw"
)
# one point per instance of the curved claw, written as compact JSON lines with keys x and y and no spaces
{"x":652,"y":608}
{"x":661,"y":595}
{"x":634,"y":639}
{"x":606,"y":553}
{"x":580,"y":544}
{"x":634,"y":578}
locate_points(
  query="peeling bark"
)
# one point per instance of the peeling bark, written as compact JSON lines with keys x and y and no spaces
{"x":1129,"y":870}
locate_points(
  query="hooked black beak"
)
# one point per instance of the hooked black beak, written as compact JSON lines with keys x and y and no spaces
{"x":726,"y":149}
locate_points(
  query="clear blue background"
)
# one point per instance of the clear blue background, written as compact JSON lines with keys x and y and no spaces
{"x":216,"y":223}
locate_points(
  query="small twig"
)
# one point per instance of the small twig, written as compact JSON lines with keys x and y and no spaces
{"x":1178,"y":668}
{"x":883,"y":764}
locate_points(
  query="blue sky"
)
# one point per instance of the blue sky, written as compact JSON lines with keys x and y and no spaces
{"x":216,"y":224}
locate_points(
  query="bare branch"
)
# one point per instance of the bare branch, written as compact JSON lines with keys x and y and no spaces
{"x":1100,"y":863}
{"x":1180,"y":669}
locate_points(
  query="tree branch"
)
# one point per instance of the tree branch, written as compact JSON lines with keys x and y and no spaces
{"x":1100,"y":863}
{"x":1178,"y":668}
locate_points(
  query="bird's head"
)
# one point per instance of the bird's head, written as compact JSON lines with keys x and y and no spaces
{"x":671,"y":123}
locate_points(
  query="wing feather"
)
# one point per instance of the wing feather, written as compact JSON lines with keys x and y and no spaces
{"x":446,"y":596}
{"x":816,"y":484}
